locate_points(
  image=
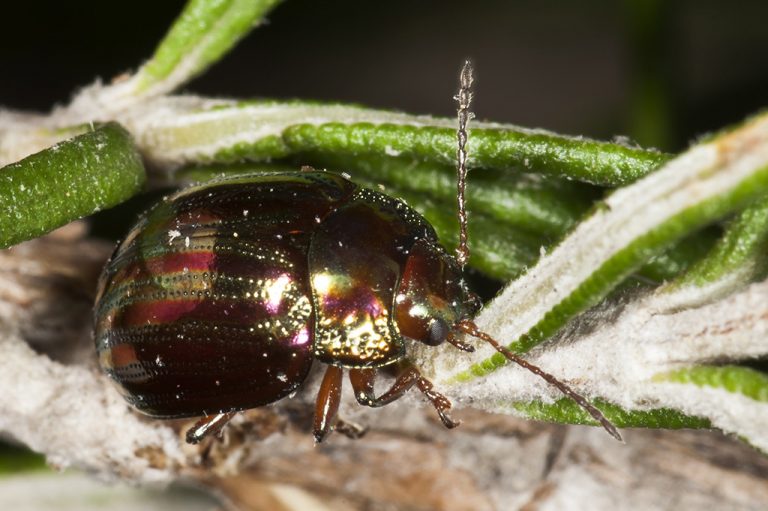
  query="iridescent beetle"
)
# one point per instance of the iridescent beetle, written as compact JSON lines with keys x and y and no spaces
{"x":223,"y":294}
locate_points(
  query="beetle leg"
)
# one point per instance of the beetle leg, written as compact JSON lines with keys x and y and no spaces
{"x":363,"y":384}
{"x":458,"y":343}
{"x":208,"y":425}
{"x":328,"y":399}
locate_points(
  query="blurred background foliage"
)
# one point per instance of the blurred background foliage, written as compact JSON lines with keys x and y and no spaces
{"x":660,"y":72}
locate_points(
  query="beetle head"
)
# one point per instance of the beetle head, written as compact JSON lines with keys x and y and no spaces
{"x":432,"y":296}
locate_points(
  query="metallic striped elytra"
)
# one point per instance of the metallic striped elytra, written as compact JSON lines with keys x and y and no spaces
{"x":223,"y":294}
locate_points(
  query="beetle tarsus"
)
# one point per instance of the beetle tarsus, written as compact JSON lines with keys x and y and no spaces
{"x":446,"y":419}
{"x":441,"y":403}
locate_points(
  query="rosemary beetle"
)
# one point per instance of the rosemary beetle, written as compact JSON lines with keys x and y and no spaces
{"x":223,"y":295}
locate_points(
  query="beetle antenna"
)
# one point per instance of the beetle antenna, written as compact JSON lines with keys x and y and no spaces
{"x":468,"y":327}
{"x":463,"y":98}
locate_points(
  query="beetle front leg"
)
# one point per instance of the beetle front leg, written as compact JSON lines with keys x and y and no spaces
{"x":363,"y":384}
{"x":328,"y":399}
{"x":208,"y":425}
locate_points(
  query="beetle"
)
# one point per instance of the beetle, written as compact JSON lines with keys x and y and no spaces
{"x":223,"y":295}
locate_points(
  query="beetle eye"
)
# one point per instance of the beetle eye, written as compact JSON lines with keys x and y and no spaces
{"x":438,"y":331}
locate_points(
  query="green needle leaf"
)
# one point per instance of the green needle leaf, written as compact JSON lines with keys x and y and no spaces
{"x":547,"y":207}
{"x":500,"y":250}
{"x":202,"y":34}
{"x":566,"y":411}
{"x":736,"y":379}
{"x":496,"y":147}
{"x":512,"y":216}
{"x":737,"y":259}
{"x":635,"y":223}
{"x":178,"y":131}
{"x":68,"y":181}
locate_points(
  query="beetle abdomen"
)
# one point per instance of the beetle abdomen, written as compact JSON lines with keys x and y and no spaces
{"x":206,"y":306}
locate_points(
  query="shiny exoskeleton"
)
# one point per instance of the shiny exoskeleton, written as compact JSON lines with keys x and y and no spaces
{"x":222,"y":295}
